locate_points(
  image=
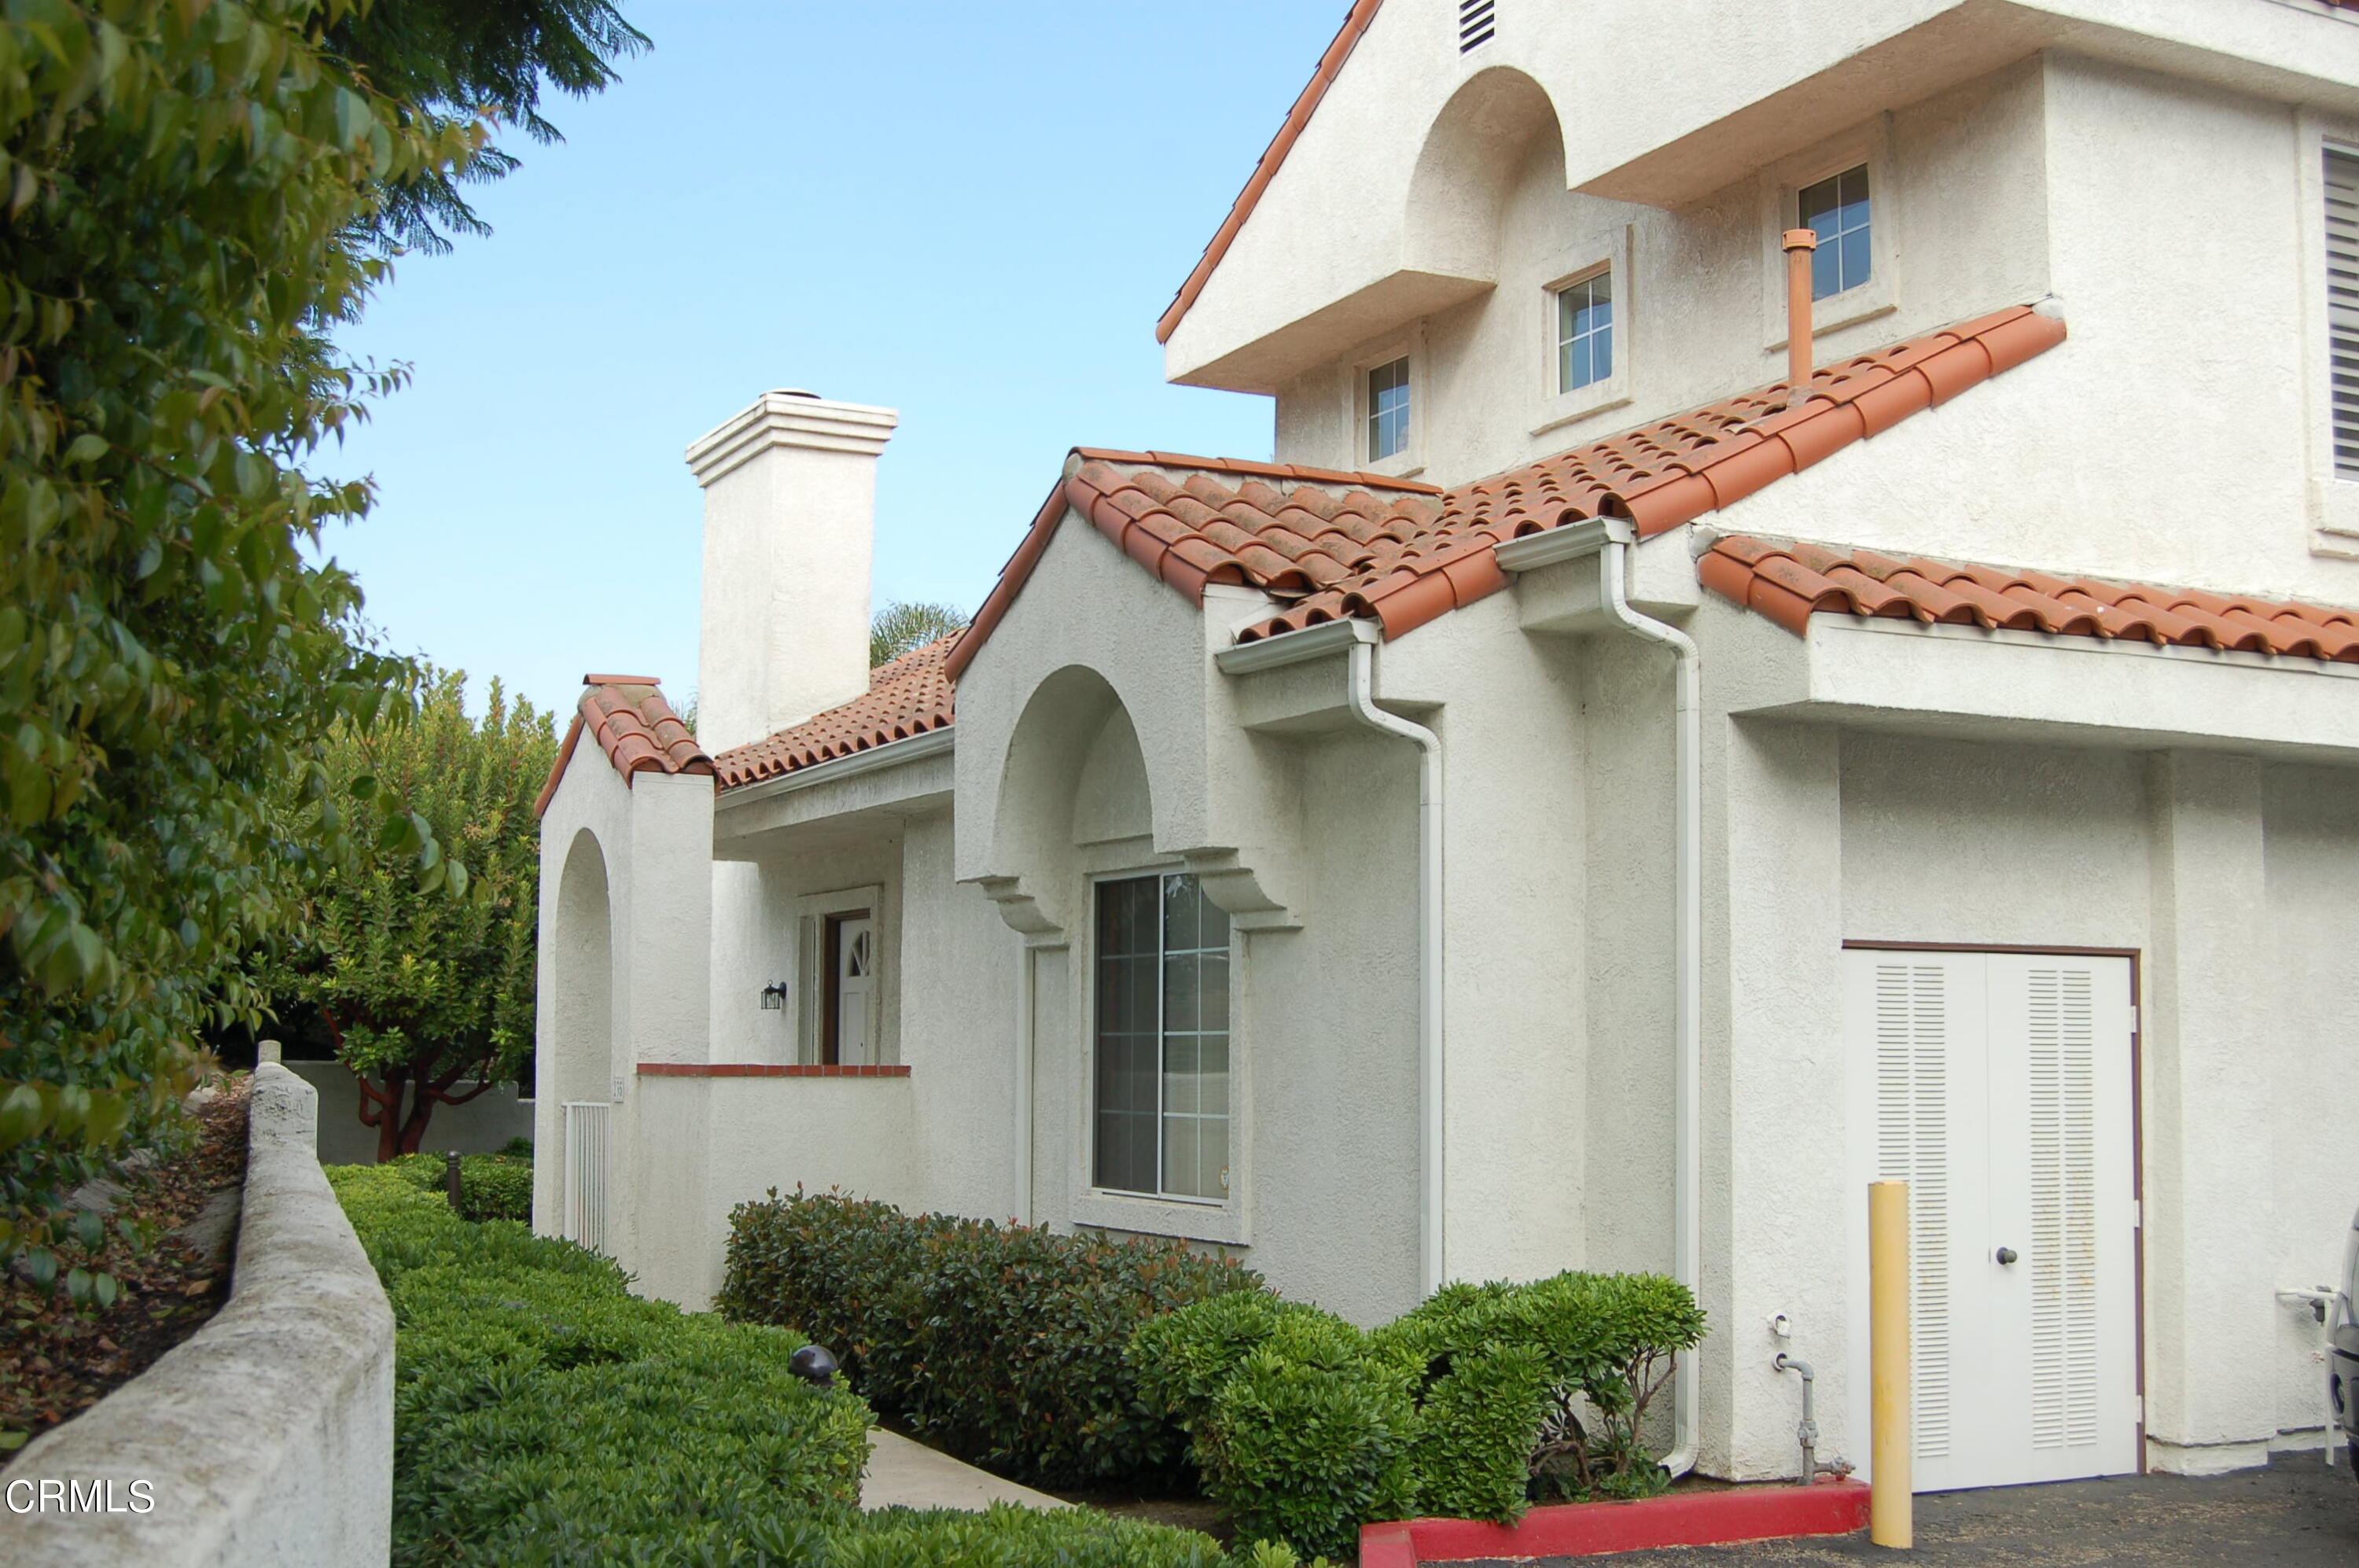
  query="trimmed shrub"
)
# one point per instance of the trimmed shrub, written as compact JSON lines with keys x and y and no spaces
{"x":491,"y":1186}
{"x":1482,"y":1398}
{"x":1002,"y":1343}
{"x":542,"y":1413}
{"x":545,"y":1416}
{"x":1600,"y":1348}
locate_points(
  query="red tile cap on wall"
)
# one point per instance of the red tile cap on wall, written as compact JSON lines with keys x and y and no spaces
{"x":632,"y":723}
{"x":1791,"y":580}
{"x":908,"y":696}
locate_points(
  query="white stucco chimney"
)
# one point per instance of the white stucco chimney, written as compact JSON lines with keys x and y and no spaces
{"x":790,"y":529}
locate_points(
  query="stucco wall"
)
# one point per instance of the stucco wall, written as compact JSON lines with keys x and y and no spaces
{"x":266,"y":1439}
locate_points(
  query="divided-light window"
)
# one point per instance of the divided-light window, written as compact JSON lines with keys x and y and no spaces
{"x":1837,"y":207}
{"x":1388,"y":409}
{"x":1584,"y":331}
{"x":1162,"y":1039}
{"x":2343,"y":307}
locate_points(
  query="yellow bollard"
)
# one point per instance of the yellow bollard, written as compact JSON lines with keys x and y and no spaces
{"x":1891,"y":1507}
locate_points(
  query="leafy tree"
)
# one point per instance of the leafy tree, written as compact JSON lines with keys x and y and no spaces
{"x":192,"y":192}
{"x":441,"y":61}
{"x":422,"y":990}
{"x":901,"y":626}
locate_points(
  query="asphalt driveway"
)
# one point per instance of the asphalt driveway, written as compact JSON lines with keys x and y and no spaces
{"x":2295,"y":1514}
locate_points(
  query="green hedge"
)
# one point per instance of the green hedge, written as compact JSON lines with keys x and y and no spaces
{"x":544,"y":1416}
{"x":543,"y":1413}
{"x":491,"y":1186}
{"x":1480,"y":1401}
{"x":1004,"y":1344}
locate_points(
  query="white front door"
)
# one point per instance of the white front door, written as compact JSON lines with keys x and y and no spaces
{"x":1999,"y":1086}
{"x":856,"y":991}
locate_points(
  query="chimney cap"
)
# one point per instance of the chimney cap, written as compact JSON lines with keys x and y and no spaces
{"x":792,"y":392}
{"x":790,"y":418}
{"x":1801,"y":239}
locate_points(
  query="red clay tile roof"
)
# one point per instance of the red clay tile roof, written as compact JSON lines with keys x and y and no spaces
{"x":907,"y":696}
{"x":634,"y":725}
{"x":1331,"y":64}
{"x":1789,"y":582}
{"x":1173,"y":514}
{"x":1339,"y":545}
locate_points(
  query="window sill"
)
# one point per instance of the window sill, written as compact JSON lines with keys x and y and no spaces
{"x":1571,"y":408}
{"x":765,"y":1070}
{"x":1841,"y":311}
{"x":1188,"y":1221}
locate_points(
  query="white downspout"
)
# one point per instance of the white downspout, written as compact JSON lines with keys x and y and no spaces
{"x":1611,"y":540}
{"x":1361,"y":686}
{"x":1025,"y":1009}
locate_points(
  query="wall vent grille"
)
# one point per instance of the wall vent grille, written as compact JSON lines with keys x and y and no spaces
{"x":1477,"y":20}
{"x":1912,"y":1145}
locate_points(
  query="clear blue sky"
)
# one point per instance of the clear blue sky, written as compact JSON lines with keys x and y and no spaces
{"x":971,"y":213}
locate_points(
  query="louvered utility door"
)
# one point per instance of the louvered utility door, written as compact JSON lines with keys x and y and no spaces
{"x":1999,"y":1086}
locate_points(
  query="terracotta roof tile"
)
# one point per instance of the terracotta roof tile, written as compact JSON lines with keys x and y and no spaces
{"x":1334,"y":544}
{"x":1789,"y":582}
{"x":627,"y":716}
{"x":908,"y":696}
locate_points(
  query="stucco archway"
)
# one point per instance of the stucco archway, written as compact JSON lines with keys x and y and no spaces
{"x":584,"y":992}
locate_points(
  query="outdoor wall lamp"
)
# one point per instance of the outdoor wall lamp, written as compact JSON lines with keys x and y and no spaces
{"x":774,"y":995}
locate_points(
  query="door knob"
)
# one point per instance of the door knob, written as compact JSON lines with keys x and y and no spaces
{"x":2006,"y":1255}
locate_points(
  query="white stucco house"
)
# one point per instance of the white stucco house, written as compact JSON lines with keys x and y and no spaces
{"x":1590,"y":803}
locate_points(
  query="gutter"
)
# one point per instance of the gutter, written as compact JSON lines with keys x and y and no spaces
{"x":1356,"y":639}
{"x":1610,"y":539}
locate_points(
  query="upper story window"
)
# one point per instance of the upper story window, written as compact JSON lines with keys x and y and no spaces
{"x":1584,"y":331}
{"x":1837,"y":207}
{"x":2342,"y":308}
{"x":1162,"y":1039}
{"x":1388,"y":409}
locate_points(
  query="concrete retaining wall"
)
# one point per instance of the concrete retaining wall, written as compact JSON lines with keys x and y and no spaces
{"x":267,"y":1438}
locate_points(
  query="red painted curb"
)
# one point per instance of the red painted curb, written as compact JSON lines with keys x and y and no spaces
{"x":1591,"y":1529}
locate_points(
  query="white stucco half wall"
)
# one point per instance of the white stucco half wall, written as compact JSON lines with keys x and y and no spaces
{"x":265,"y":1440}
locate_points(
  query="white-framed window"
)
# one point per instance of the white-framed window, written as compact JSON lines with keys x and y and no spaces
{"x":1388,"y":409}
{"x":1846,"y":191}
{"x":1584,"y":330}
{"x":2330,"y":184}
{"x":1159,"y":1038}
{"x":1839,"y":208}
{"x":1385,"y":404}
{"x":2339,"y":222}
{"x":840,"y":953}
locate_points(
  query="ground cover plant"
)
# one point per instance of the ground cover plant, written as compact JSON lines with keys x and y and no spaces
{"x":543,"y":1415}
{"x":1001,"y":1343}
{"x":1480,"y":1401}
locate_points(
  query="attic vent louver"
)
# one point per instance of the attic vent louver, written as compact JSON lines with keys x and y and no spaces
{"x":1477,"y":20}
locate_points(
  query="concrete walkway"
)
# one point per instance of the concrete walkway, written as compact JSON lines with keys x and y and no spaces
{"x":905,"y":1474}
{"x":2295,"y":1514}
